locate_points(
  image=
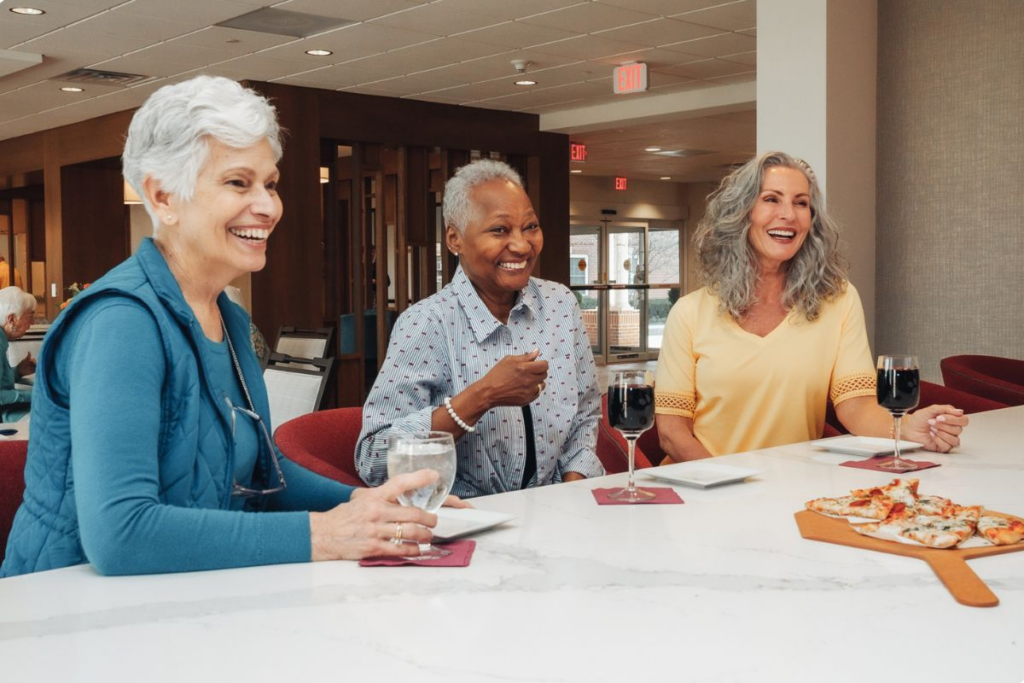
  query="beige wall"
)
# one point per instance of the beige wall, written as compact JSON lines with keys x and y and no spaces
{"x":950,"y":236}
{"x":643,"y":200}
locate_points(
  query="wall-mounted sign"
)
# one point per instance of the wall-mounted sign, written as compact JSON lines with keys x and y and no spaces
{"x":577,"y":151}
{"x":620,"y":183}
{"x":629,"y":78}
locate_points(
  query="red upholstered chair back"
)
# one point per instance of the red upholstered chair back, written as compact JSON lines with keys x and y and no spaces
{"x":994,"y":378}
{"x":12,"y":486}
{"x":324,"y":442}
{"x":612,"y":448}
{"x":931,"y":394}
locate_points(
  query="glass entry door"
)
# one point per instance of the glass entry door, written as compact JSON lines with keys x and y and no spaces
{"x":625,"y":276}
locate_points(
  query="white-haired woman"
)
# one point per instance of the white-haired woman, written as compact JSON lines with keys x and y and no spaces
{"x":498,"y":358}
{"x":174,"y":469}
{"x":17,"y":308}
{"x":750,"y":360}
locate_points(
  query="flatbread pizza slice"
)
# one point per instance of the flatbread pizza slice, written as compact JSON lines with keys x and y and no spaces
{"x":948,"y":530}
{"x":1000,"y":530}
{"x":900,"y":490}
{"x":875,"y":507}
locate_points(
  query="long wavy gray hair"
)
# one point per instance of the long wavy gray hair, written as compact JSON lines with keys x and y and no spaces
{"x":728,"y":263}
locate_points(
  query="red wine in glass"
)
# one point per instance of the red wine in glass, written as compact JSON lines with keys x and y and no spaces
{"x":631,"y":411}
{"x":898,"y":391}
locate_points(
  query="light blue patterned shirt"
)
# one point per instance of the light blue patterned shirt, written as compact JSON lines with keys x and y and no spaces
{"x":450,"y":340}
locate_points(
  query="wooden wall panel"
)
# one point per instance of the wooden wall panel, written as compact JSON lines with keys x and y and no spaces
{"x":553,"y":205}
{"x":289,"y":291}
{"x":94,"y":232}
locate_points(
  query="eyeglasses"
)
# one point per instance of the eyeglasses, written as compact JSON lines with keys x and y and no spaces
{"x":239,"y":490}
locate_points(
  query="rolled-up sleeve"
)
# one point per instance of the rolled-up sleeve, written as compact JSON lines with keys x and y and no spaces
{"x":408,"y":388}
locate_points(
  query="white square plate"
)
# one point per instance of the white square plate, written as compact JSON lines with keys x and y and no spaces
{"x":700,"y":474}
{"x":455,"y":523}
{"x":864,"y":446}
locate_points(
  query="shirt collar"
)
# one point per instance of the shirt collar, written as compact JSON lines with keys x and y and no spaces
{"x":481,"y":320}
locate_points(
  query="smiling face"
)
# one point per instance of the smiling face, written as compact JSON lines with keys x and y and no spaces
{"x":222,"y":233}
{"x":781,"y":217}
{"x":500,"y":246}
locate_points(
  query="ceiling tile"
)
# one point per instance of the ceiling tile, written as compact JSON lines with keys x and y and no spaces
{"x":536,"y":60}
{"x":749,"y":31}
{"x":436,"y":97}
{"x":485,"y":90}
{"x":202,"y":12}
{"x":54,"y":64}
{"x":151,"y":29}
{"x":175,"y":52}
{"x":733,"y":16}
{"x":663,"y":8}
{"x":355,"y":41}
{"x":707,"y":68}
{"x":659,"y":32}
{"x":653,"y":57}
{"x":588,"y":47}
{"x":748,"y":58}
{"x":417,"y":83}
{"x":516,"y":35}
{"x":86,"y":36}
{"x":236,"y":41}
{"x":261,"y":67}
{"x":715,"y":46}
{"x":587,"y":18}
{"x":472,"y":71}
{"x":440,"y":52}
{"x":355,"y":10}
{"x":437,"y":20}
{"x":576,"y":72}
{"x":59,"y":13}
{"x":744,"y":77}
{"x":506,"y":9}
{"x":331,"y":77}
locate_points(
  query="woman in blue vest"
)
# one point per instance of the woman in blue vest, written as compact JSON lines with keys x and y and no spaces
{"x":149,"y":449}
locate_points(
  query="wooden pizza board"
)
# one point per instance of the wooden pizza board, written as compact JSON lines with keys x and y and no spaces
{"x":950,"y":565}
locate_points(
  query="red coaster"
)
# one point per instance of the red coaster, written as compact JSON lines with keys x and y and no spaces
{"x":663,"y":495}
{"x":462,"y":553}
{"x":873,"y":464}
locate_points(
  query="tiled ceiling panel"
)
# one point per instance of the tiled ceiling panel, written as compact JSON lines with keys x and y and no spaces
{"x":450,"y":51}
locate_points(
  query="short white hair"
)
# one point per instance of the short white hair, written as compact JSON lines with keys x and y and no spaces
{"x":168,"y":138}
{"x":15,"y":301}
{"x":458,"y":205}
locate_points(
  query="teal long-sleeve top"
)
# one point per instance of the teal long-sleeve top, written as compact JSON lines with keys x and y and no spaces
{"x":111,"y":370}
{"x":9,"y":394}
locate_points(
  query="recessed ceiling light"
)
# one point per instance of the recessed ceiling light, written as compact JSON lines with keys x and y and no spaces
{"x":666,"y":177}
{"x":526,"y":81}
{"x":652,"y":149}
{"x":31,"y":11}
{"x":576,"y":170}
{"x":71,"y":88}
{"x":319,"y":53}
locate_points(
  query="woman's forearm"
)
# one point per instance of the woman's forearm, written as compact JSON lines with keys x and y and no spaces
{"x":864,"y":417}
{"x":675,"y":434}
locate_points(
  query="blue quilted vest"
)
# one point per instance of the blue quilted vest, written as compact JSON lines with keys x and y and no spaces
{"x":195,"y":437}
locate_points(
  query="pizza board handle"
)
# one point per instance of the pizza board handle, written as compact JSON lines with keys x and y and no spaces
{"x":966,"y":586}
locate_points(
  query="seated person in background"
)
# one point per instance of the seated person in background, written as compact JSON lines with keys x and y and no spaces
{"x":497,"y":358}
{"x":17,"y":308}
{"x":750,"y":360}
{"x":149,"y":392}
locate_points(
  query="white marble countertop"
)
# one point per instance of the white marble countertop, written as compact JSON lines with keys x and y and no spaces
{"x":722,"y":588}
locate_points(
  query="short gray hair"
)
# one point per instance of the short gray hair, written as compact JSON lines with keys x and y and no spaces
{"x":458,"y":206}
{"x":728,"y":263}
{"x":168,"y":138}
{"x":15,"y":301}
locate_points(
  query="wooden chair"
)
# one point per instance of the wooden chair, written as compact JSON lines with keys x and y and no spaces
{"x":324,"y":442}
{"x":305,"y":343}
{"x":295,"y":386}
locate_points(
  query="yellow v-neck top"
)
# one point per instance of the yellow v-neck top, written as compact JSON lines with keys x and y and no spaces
{"x":746,"y":392}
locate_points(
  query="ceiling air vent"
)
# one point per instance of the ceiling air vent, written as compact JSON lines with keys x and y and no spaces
{"x":281,"y":22}
{"x":98,"y":77}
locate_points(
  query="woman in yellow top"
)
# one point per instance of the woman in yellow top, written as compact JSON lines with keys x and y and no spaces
{"x":749,"y":361}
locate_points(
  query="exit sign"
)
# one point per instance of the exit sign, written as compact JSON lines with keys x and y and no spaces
{"x":620,"y":183}
{"x":577,"y":151}
{"x":629,"y":78}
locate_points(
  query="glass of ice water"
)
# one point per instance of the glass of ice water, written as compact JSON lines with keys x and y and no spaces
{"x":424,"y":451}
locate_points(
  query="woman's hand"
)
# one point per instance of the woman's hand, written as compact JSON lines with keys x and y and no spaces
{"x":27,"y":365}
{"x":366,"y":525}
{"x":938,"y":427}
{"x":515,"y":380}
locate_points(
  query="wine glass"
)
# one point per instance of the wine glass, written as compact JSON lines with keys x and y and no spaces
{"x":899,"y":390}
{"x":424,"y":451}
{"x":631,"y":411}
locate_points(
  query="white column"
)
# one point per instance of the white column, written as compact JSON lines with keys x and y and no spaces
{"x":816,"y":85}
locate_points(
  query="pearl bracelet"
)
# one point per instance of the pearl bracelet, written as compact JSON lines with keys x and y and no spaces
{"x":455,"y":417}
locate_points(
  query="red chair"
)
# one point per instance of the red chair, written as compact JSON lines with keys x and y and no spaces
{"x":612,"y":447}
{"x":324,"y":442}
{"x":994,"y":378}
{"x":931,"y":394}
{"x":12,"y":486}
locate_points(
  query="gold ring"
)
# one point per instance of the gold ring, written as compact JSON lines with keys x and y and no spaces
{"x":398,"y":533}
